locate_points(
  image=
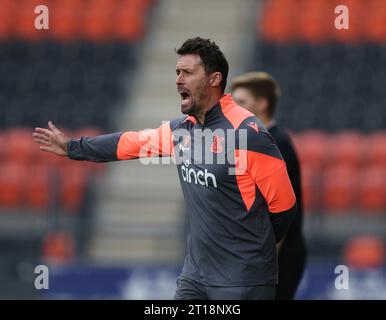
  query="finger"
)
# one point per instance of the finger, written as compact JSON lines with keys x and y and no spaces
{"x":39,"y":141}
{"x":53,"y":128}
{"x":45,"y":148}
{"x":41,"y":136}
{"x":42,"y":141}
{"x":44,"y":131}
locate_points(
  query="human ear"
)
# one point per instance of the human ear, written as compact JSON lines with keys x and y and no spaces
{"x":215,"y":79}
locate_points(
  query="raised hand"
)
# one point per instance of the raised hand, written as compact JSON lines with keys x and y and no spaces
{"x":51,"y":140}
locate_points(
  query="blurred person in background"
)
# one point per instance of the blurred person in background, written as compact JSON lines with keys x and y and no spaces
{"x":258,"y":92}
{"x":234,"y":220}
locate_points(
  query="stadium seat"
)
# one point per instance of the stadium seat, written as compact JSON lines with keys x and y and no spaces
{"x":276,"y":26}
{"x":138,"y":5}
{"x":128,"y":25}
{"x":347,"y":148}
{"x":374,"y":21}
{"x":20,"y":146}
{"x":305,"y":57}
{"x":6,"y":14}
{"x":310,"y":176}
{"x":339,"y":194}
{"x":276,"y":22}
{"x":66,"y":22}
{"x":376,"y":149}
{"x":62,"y":83}
{"x":372,"y":190}
{"x":38,"y":187}
{"x":96,"y":21}
{"x":58,"y":247}
{"x":312,"y":147}
{"x":364,"y":252}
{"x":12,"y":177}
{"x":312,"y":27}
{"x":3,"y":146}
{"x":72,"y":187}
{"x":25,"y":21}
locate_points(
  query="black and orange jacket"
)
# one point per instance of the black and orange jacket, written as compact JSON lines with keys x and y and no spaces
{"x":234,"y":219}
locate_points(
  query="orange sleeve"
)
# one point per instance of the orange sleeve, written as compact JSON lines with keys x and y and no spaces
{"x":271,"y":177}
{"x":145,"y":143}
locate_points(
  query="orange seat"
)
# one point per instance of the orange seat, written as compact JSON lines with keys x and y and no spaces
{"x":21,"y":147}
{"x":96,"y":20}
{"x":141,"y":5}
{"x":12,"y":178}
{"x":311,"y":26}
{"x":72,"y":187}
{"x":25,"y":21}
{"x":128,"y":25}
{"x":65,"y":22}
{"x":376,"y":149}
{"x":6,"y":14}
{"x":374,"y":24}
{"x":313,"y":147}
{"x":3,"y":146}
{"x":58,"y":247}
{"x":38,"y":187}
{"x":372,"y":190}
{"x":310,"y":177}
{"x":362,"y":252}
{"x":348,"y":148}
{"x":276,"y":25}
{"x":339,"y":189}
{"x":51,"y":160}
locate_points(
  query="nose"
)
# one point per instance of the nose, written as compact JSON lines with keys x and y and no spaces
{"x":179,"y":80}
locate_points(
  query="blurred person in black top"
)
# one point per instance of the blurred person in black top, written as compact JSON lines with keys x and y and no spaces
{"x":258,"y":92}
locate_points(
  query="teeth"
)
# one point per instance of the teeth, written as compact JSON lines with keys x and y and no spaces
{"x":182,"y":91}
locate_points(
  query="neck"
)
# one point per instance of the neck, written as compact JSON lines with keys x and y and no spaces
{"x":265,"y":119}
{"x":208,"y":104}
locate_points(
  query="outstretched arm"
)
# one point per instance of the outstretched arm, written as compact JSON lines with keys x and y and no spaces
{"x":109,"y":147}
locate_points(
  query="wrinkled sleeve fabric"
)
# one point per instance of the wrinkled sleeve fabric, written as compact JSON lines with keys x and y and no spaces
{"x":123,"y":145}
{"x":97,"y":149}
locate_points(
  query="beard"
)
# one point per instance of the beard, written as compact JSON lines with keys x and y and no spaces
{"x":191,"y":104}
{"x":188,"y":108}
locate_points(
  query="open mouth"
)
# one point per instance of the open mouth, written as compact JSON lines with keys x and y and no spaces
{"x":185,"y":96}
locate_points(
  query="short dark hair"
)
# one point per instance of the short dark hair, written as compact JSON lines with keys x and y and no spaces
{"x":211,"y":56}
{"x":259,"y":84}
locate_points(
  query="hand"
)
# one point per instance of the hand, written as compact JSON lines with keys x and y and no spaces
{"x":51,"y":140}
